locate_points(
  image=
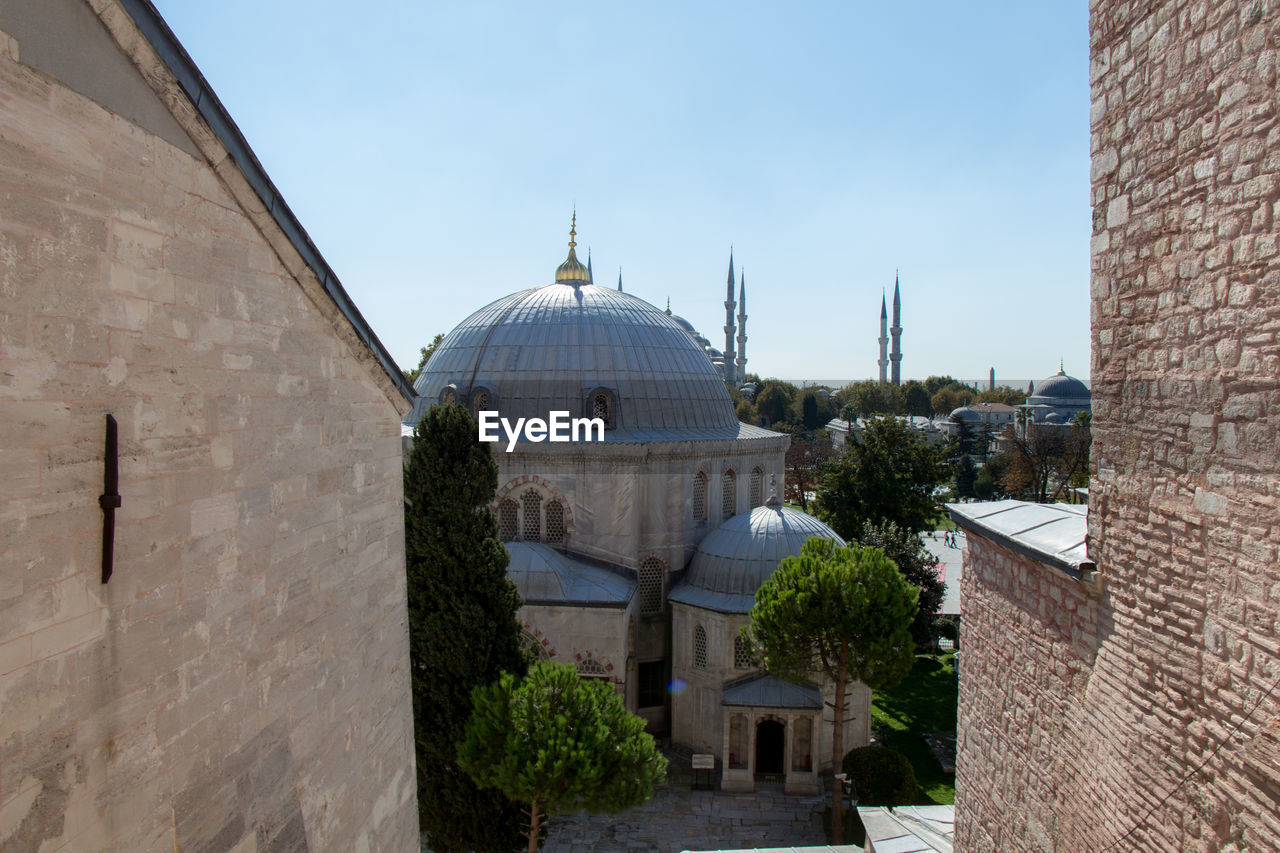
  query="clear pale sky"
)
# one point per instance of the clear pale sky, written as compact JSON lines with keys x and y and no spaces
{"x":435,"y":151}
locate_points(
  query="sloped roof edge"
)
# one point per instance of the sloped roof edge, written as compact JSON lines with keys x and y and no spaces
{"x":166,"y":45}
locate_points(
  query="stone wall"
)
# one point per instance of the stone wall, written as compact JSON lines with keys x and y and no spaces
{"x":1061,"y":751}
{"x":242,"y":680}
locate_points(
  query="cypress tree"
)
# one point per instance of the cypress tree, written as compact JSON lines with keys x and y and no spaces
{"x":463,"y":631}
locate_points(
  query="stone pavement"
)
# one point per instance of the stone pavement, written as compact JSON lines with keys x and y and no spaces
{"x":951,"y":557}
{"x":680,"y":818}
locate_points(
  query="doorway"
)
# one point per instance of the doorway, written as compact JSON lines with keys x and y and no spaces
{"x":771,"y":737}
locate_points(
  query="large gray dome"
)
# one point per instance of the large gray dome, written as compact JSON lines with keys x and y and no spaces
{"x":733,"y":560}
{"x":558,"y":347}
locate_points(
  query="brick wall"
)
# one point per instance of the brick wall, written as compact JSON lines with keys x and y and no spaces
{"x":242,"y":680}
{"x":1183,"y":506}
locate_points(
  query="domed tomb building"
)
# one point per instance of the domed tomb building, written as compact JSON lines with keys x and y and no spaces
{"x":1058,"y":399}
{"x":601,"y":531}
{"x":757,"y":724}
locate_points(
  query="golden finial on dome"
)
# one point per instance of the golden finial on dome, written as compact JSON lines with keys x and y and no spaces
{"x":572,"y":271}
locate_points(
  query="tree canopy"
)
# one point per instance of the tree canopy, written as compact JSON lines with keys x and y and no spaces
{"x":412,"y":375}
{"x":840,"y":611}
{"x":462,"y":624}
{"x":889,"y":472}
{"x":558,"y":743}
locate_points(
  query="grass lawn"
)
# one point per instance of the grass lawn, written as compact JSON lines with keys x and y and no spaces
{"x":925,"y":701}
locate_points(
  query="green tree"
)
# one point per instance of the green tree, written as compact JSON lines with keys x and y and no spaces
{"x":412,"y":375}
{"x":558,"y":743}
{"x":462,"y":624}
{"x":773,"y":401}
{"x":917,"y":566}
{"x":811,"y":411}
{"x":842,"y":612}
{"x":915,"y":399}
{"x":889,"y":472}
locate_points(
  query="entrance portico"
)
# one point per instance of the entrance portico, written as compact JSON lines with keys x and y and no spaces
{"x":769,"y":727}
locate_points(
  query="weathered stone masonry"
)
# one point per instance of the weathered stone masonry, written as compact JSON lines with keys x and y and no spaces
{"x":242,"y":681}
{"x":1183,"y":521}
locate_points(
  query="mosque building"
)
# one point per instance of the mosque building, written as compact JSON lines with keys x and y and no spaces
{"x":731,"y":362}
{"x":638,"y":556}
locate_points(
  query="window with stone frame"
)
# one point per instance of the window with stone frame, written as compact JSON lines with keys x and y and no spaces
{"x":700,"y":647}
{"x":802,"y":744}
{"x":555,"y":522}
{"x":741,"y":653}
{"x":531,"y":510}
{"x":756,"y":491}
{"x":600,"y":408}
{"x":652,"y":573}
{"x":480,"y":401}
{"x":738,"y":741}
{"x":729,"y":494}
{"x":699,"y":497}
{"x":592,"y":668}
{"x":508,"y":520}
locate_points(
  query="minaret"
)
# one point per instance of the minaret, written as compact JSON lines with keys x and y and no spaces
{"x":992,"y":385}
{"x":884,"y":342}
{"x":728,"y":324}
{"x":619,"y":279}
{"x":590,"y":277}
{"x":741,"y":372}
{"x":895,"y":357}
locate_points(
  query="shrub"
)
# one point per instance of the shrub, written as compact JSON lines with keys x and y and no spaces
{"x":883,"y":776}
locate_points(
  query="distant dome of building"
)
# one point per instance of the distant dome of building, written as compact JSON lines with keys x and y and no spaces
{"x":965,"y":413}
{"x":1061,"y":386}
{"x":1060,"y":395}
{"x":733,"y":560}
{"x":684,"y":324}
{"x":581,"y":348}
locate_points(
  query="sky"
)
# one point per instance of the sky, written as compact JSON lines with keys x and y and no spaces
{"x":435,"y":152}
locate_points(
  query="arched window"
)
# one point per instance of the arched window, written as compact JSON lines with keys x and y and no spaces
{"x":651,"y":582}
{"x":729,"y":494}
{"x":741,"y":653}
{"x":531,"y":504}
{"x":480,"y":400}
{"x":448,"y":395}
{"x":555,"y":522}
{"x":602,"y":403}
{"x":756,"y":492}
{"x":700,"y":647}
{"x":508,"y":520}
{"x":591,"y":668}
{"x":531,"y":642}
{"x":699,"y":497}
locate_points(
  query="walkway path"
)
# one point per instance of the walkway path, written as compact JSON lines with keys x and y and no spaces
{"x":679,"y":818}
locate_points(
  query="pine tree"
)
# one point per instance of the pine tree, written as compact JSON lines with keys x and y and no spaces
{"x":463,"y":631}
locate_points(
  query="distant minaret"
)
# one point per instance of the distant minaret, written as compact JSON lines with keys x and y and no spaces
{"x":741,"y":372}
{"x":992,"y":386}
{"x":896,"y":331}
{"x":590,"y":278}
{"x":728,"y":324}
{"x":884,"y":342}
{"x":619,"y":279}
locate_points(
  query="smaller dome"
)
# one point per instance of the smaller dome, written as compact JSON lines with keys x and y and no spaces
{"x":684,"y":324}
{"x":965,"y":413}
{"x":738,"y":556}
{"x":1055,"y":418}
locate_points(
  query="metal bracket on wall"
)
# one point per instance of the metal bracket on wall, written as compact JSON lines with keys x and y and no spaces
{"x":110,"y":498}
